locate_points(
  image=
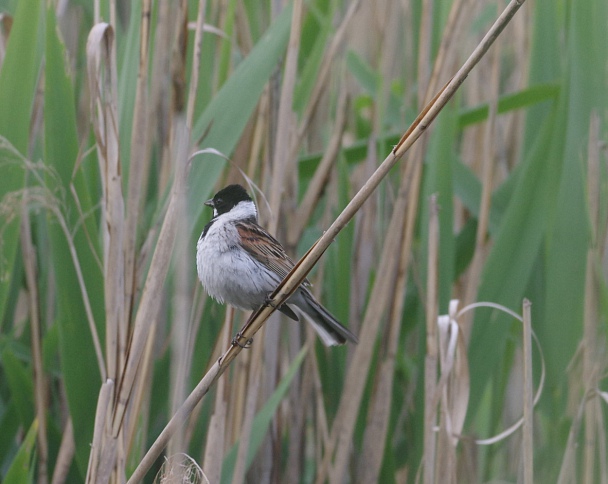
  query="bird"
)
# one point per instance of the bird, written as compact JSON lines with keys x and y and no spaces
{"x":238,"y":262}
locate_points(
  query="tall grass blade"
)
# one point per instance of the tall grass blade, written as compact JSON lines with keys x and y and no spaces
{"x":80,"y":359}
{"x":18,"y":78}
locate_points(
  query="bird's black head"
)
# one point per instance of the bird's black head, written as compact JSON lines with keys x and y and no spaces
{"x":227,"y":198}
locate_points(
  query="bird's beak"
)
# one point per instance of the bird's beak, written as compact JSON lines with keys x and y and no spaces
{"x":209,"y":203}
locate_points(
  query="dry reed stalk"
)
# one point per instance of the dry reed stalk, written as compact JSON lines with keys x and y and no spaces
{"x":322,"y":426}
{"x":40,"y":383}
{"x":379,"y":414}
{"x":591,"y":355}
{"x":602,"y":448}
{"x":285,"y":121}
{"x":282,"y":163}
{"x":305,"y":264}
{"x":452,"y":392}
{"x":138,"y":426}
{"x":101,"y":69}
{"x":100,"y":453}
{"x":425,"y":42}
{"x":159,"y":266}
{"x":487,"y":176}
{"x":567,"y":472}
{"x":279,"y":131}
{"x":321,"y":175}
{"x":215,"y":444}
{"x":365,"y":240}
{"x":150,"y":302}
{"x":528,"y":394}
{"x":298,"y":425}
{"x":139,"y":166}
{"x":343,"y":426}
{"x":370,"y":470}
{"x":259,"y":134}
{"x":182,"y":323}
{"x":237,"y":394}
{"x":431,"y":359}
{"x":322,"y":78}
{"x":65,"y":455}
{"x":196,"y":58}
{"x":253,"y":377}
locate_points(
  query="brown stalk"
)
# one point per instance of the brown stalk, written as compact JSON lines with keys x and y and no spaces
{"x":431,"y":111}
{"x":371,"y":467}
{"x":282,"y":165}
{"x":299,"y":414}
{"x":487,"y":175}
{"x":160,"y":96}
{"x":182,"y":288}
{"x":196,"y":61}
{"x":258,"y":134}
{"x":98,"y":450}
{"x":321,"y":425}
{"x":182,"y":324}
{"x":321,"y":176}
{"x":379,"y":414}
{"x":591,"y":355}
{"x":138,"y":426}
{"x":150,"y":302}
{"x":281,"y":159}
{"x":159,"y":266}
{"x":425,"y":42}
{"x":567,"y":473}
{"x":343,"y":426}
{"x":216,"y":436}
{"x":297,"y":275}
{"x":452,"y":392}
{"x":237,"y":391}
{"x":101,"y":69}
{"x":254,"y":377}
{"x":40,"y":384}
{"x":138,"y":167}
{"x":65,"y":454}
{"x":528,"y":443}
{"x":431,"y":358}
{"x":322,"y":78}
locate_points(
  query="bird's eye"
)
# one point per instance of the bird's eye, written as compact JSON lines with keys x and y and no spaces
{"x":219,"y":201}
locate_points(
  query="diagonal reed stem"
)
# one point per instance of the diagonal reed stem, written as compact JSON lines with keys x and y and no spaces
{"x":307,"y":262}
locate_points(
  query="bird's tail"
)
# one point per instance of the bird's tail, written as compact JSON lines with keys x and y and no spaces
{"x":328,"y":328}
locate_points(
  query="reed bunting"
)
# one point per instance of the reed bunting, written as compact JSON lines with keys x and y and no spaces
{"x":240,"y":263}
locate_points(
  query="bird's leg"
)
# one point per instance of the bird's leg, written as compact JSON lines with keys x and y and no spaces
{"x":236,"y":341}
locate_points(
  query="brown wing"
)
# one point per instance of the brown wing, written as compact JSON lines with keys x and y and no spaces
{"x":264,"y":248}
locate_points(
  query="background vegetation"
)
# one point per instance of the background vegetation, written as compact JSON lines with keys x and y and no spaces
{"x":104,"y":326}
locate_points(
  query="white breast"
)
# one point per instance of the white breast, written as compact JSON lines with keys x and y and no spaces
{"x":226,"y":271}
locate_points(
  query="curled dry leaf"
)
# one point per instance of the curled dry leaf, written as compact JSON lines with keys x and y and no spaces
{"x":454,"y":383}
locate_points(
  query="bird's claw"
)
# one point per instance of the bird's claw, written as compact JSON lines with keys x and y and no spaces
{"x":236,"y":341}
{"x":268,"y":302}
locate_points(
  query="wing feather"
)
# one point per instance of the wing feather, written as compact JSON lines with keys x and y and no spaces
{"x":264,"y":248}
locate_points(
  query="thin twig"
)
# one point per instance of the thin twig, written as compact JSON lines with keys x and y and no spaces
{"x":528,"y":444}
